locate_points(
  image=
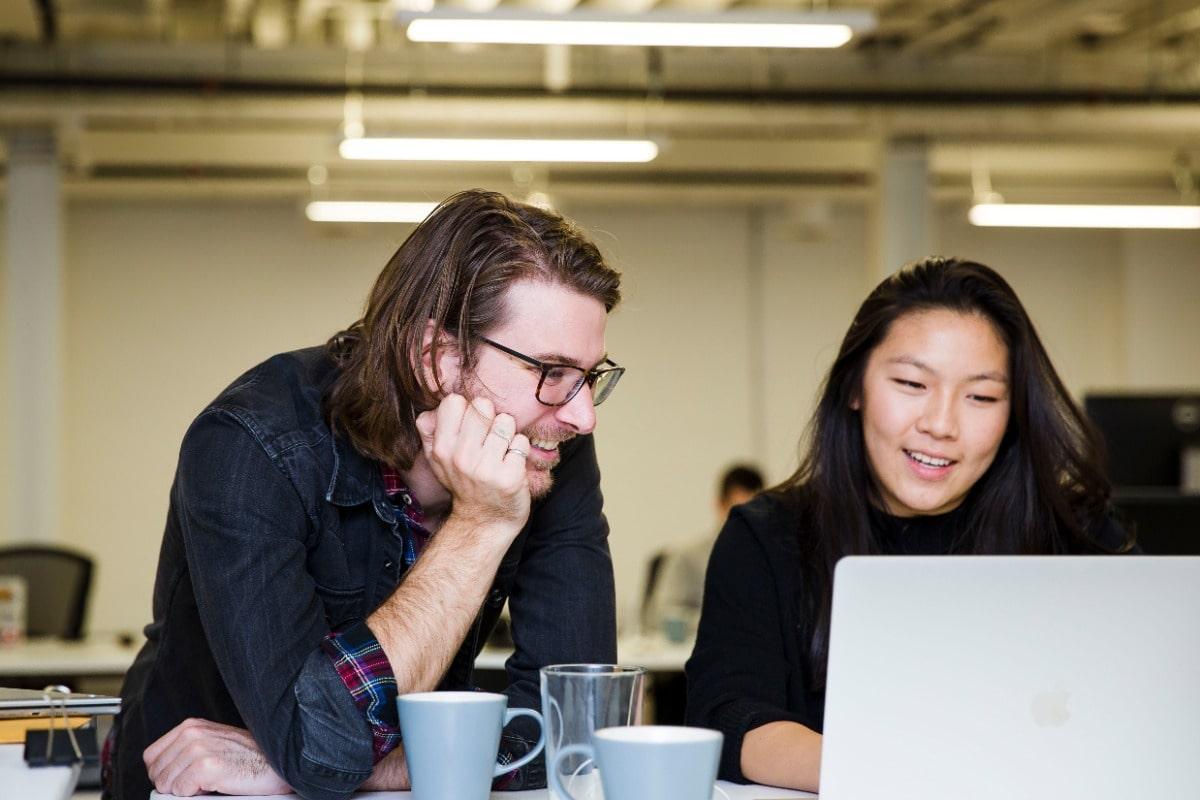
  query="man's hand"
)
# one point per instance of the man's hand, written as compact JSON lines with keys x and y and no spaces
{"x":198,"y":756}
{"x":480,"y":458}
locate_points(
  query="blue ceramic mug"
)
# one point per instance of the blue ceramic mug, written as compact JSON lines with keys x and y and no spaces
{"x":648,"y":762}
{"x":451,"y":740}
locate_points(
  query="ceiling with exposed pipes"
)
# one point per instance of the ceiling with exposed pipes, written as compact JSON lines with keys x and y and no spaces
{"x":1046,"y":98}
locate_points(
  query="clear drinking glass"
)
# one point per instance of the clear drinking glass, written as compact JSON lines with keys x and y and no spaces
{"x":578,"y":699}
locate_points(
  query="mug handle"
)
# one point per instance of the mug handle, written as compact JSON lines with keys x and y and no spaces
{"x":552,"y":770}
{"x":509,"y":716}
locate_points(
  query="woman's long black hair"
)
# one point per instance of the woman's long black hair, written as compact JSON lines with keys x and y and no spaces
{"x":1043,"y":492}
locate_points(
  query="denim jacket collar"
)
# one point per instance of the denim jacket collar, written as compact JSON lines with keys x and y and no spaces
{"x":356,"y":480}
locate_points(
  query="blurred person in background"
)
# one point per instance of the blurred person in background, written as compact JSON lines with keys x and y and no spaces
{"x":675,"y":588}
{"x":678,"y":580}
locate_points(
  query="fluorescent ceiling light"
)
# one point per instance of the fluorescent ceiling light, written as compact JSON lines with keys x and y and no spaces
{"x":635,"y":151}
{"x":366,"y":211}
{"x":729,"y":29}
{"x":1030,"y":215}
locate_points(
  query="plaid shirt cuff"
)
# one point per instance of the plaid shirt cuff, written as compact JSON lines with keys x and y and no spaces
{"x":512,"y":746}
{"x":361,"y":664}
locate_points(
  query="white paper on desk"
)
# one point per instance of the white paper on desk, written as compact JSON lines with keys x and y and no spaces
{"x":726,"y":790}
{"x":18,"y":779}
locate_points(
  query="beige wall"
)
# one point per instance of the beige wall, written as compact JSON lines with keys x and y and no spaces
{"x":1161,"y":289}
{"x":814,"y":283}
{"x":5,"y":476}
{"x":166,"y":305}
{"x":168,"y":302}
{"x":1069,"y":281}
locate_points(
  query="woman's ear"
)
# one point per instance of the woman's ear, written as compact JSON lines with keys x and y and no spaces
{"x":441,"y":365}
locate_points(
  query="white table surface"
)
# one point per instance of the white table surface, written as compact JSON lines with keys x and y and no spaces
{"x":654,"y":653}
{"x":97,"y":656}
{"x":732,"y":791}
{"x":104,"y":656}
{"x":18,"y":780}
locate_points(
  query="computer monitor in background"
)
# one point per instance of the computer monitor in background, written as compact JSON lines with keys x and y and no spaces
{"x":1153,"y":444}
{"x":1148,"y":436}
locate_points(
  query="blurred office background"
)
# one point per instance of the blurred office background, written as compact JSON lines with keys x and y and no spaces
{"x":159,"y":156}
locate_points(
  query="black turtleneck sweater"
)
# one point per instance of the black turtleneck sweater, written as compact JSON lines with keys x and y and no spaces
{"x":749,"y":667}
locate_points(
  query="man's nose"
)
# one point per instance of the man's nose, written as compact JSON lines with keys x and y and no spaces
{"x":579,"y":412}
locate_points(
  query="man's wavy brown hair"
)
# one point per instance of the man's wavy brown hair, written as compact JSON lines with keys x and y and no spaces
{"x":453,"y":270}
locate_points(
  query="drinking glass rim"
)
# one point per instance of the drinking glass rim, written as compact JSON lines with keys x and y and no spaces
{"x":594,"y":670}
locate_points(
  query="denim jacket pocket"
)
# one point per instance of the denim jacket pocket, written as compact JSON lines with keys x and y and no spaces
{"x":342,"y":606}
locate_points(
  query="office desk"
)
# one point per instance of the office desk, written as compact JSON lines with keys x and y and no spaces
{"x":104,"y":656}
{"x":656,"y":654}
{"x":100,"y":656}
{"x":664,"y":660}
{"x":725,"y":789}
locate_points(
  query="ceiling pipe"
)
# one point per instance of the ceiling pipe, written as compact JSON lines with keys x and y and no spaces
{"x":1004,"y":100}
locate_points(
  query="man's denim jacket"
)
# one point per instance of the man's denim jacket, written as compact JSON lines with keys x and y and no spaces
{"x":277,"y":532}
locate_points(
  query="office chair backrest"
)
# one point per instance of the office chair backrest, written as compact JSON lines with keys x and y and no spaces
{"x":58,"y":583}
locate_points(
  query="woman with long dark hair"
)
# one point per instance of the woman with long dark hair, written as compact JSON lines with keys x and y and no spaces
{"x":942,"y":427}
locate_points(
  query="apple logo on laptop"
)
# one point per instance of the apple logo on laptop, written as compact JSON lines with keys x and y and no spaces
{"x":1050,"y":708}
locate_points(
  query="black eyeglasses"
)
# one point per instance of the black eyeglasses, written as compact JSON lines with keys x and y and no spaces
{"x":559,"y":383}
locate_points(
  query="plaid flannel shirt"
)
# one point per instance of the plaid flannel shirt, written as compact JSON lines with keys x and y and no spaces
{"x":356,"y":653}
{"x":364,"y":668}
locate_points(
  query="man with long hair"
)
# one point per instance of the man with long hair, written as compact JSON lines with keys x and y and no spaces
{"x":348,"y":521}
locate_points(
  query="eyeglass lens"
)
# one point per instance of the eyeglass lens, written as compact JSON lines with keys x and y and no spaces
{"x":562,"y":383}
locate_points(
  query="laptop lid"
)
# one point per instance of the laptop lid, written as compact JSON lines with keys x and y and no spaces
{"x":33,"y":703}
{"x":1013,"y":677}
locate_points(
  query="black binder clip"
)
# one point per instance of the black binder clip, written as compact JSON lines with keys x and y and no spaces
{"x":44,"y":749}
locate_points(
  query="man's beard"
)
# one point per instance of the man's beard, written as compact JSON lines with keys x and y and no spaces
{"x":539,"y":474}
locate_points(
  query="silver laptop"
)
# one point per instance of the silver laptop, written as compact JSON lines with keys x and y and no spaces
{"x":33,"y":703}
{"x":998,"y":678}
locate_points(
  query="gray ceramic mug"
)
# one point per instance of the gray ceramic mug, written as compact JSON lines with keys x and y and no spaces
{"x":451,"y":740}
{"x":648,"y":762}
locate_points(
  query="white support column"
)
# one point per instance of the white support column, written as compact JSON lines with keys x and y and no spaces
{"x":904,"y":215}
{"x":33,"y":336}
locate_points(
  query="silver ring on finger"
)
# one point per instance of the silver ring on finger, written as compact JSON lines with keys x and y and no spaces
{"x":517,"y":450}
